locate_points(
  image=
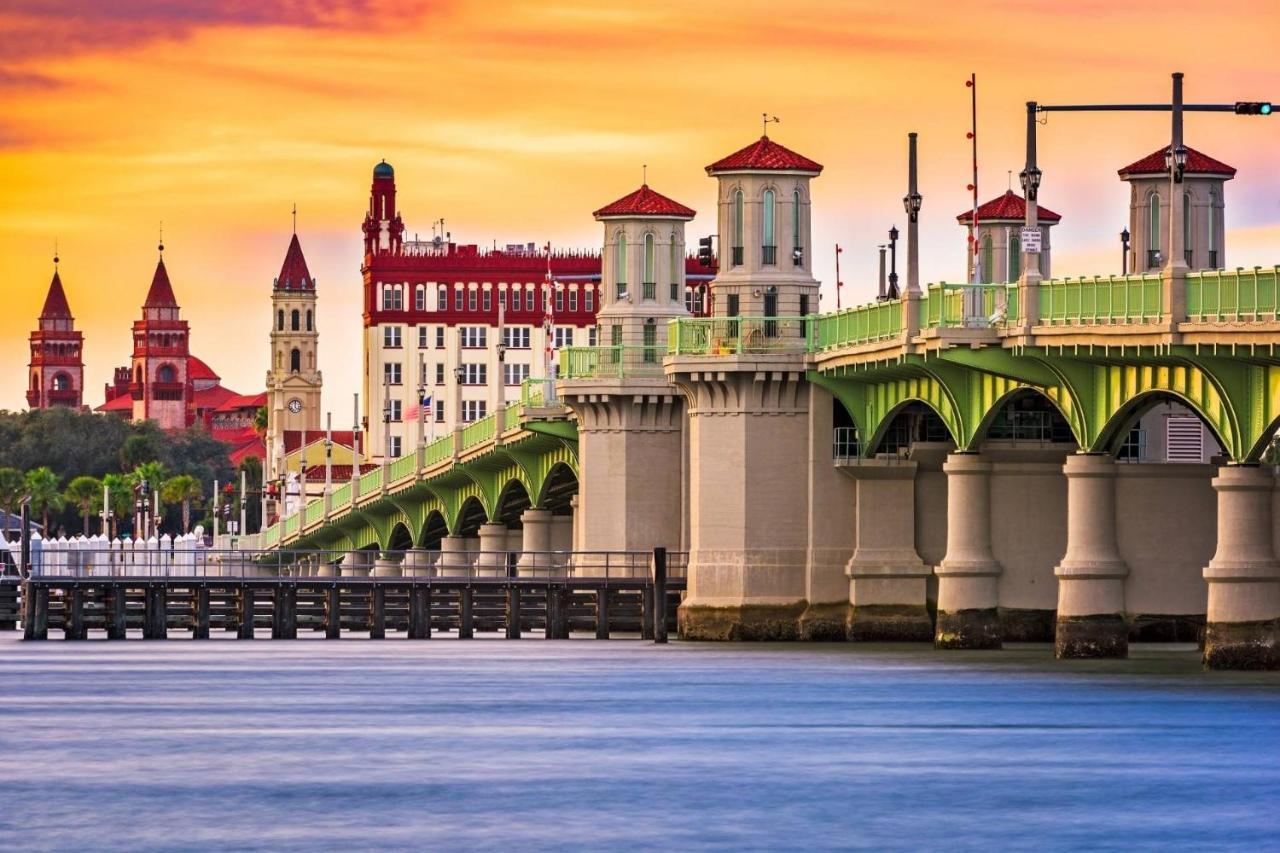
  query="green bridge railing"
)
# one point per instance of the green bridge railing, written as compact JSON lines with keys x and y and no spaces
{"x":858,"y":325}
{"x":738,"y":335}
{"x":1234,"y":295}
{"x":1102,"y":299}
{"x":610,"y":362}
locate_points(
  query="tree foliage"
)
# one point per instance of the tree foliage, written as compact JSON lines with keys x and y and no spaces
{"x":85,"y":493}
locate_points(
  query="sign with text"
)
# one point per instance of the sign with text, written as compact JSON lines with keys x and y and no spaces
{"x":1030,"y":239}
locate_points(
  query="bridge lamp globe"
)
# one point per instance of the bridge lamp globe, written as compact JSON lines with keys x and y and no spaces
{"x":1175,"y":160}
{"x":911,"y":203}
{"x":1030,"y":180}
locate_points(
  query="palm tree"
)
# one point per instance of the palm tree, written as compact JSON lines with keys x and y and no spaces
{"x":42,"y":486}
{"x":154,"y":474}
{"x":183,"y":489}
{"x":260,"y":420}
{"x":86,"y":493}
{"x":118,"y":493}
{"x":12,"y":487}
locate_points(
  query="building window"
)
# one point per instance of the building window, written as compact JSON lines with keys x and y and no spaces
{"x":1015,"y":259}
{"x":474,"y":337}
{"x":309,"y":324}
{"x":488,"y":300}
{"x":620,"y":267}
{"x":650,"y":342}
{"x":475,"y":374}
{"x":439,"y":337}
{"x":573,"y":299}
{"x":280,"y":320}
{"x":166,"y":373}
{"x":589,"y":298}
{"x":616,"y":335}
{"x":1153,"y":230}
{"x":390,"y":372}
{"x":988,"y":261}
{"x":769,"y":249}
{"x":295,"y":360}
{"x":502,"y":299}
{"x":473,"y":410}
{"x":515,"y":298}
{"x":737,"y":228}
{"x":650,"y":261}
{"x":515,"y":337}
{"x":591,"y":336}
{"x":442,"y":298}
{"x":457,"y":298}
{"x":439,"y":411}
{"x":392,"y":299}
{"x":397,"y":409}
{"x":391,"y":337}
{"x":420,"y":298}
{"x":439,"y":373}
{"x":393,"y":450}
{"x":564,"y":336}
{"x":514,"y":374}
{"x":471,"y":300}
{"x":804,"y":305}
{"x":423,"y":334}
{"x":559,"y":298}
{"x":295,"y":320}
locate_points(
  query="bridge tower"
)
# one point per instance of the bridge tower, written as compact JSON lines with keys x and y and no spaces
{"x":1203,"y":231}
{"x":630,"y":419}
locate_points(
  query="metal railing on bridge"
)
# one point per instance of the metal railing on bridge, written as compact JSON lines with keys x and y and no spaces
{"x":739,"y":335}
{"x":1112,"y":299}
{"x":1237,"y":295}
{"x":610,"y":362}
{"x":861,"y":324}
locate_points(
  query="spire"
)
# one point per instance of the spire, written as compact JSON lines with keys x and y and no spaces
{"x":161,"y":293}
{"x":294,"y":274}
{"x":55,"y":304}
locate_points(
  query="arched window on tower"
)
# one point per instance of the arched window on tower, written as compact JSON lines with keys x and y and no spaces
{"x":988,"y":261}
{"x":650,"y":261}
{"x":137,"y":375}
{"x":166,"y":373}
{"x":294,"y":320}
{"x":62,"y":382}
{"x":1153,"y":230}
{"x":35,"y":381}
{"x":309,"y":320}
{"x":280,"y":320}
{"x":736,"y":248}
{"x":676,"y":267}
{"x":1015,"y":258}
{"x":295,"y":360}
{"x":768,"y":246}
{"x":1187,"y":250}
{"x":620,"y":266}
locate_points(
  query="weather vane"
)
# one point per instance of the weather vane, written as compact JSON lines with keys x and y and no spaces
{"x":765,"y":120}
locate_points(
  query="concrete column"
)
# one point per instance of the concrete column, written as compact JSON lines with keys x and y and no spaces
{"x":887,"y":578}
{"x":577,"y":527}
{"x":1091,"y":612}
{"x":454,"y":560}
{"x":534,"y":559}
{"x":354,"y":565}
{"x":387,"y":566}
{"x":417,"y":563}
{"x":969,"y":576}
{"x":492,"y":561}
{"x":1243,"y":630}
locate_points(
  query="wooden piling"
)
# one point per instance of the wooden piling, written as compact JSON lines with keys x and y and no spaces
{"x":73,"y":614}
{"x":659,"y":595}
{"x":552,"y":614}
{"x":333,"y":613}
{"x":36,"y":602}
{"x":420,"y":612}
{"x":377,"y":612}
{"x":646,"y":613}
{"x":284,"y":613}
{"x":155,"y":619}
{"x":465,"y":627}
{"x":200,"y":614}
{"x":244,"y":630}
{"x":602,"y":613}
{"x":513,"y":612}
{"x":117,"y":612}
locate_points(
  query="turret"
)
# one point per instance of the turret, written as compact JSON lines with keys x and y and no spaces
{"x":998,"y":237}
{"x":1202,"y":199}
{"x":56,"y":369}
{"x":383,"y":230}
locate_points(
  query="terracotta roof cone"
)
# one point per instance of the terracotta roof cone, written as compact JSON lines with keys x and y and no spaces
{"x":765,"y":154}
{"x":645,"y":202}
{"x":1011,"y":207}
{"x":1197,"y":164}
{"x":294,"y":274}
{"x":161,"y":293}
{"x":55,"y":304}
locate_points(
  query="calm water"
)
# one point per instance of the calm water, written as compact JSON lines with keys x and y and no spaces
{"x":529,"y":745}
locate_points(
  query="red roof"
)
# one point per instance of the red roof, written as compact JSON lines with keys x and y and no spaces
{"x":1197,"y":164}
{"x":197,"y":369}
{"x":293,"y":438}
{"x":235,"y":435}
{"x":212,"y":398}
{"x":55,"y":304}
{"x":764,"y":153}
{"x":244,"y":401}
{"x":250,"y":446}
{"x":646,"y":202}
{"x":117,"y":404}
{"x":1009,"y":206}
{"x":161,"y":293}
{"x":294,"y":274}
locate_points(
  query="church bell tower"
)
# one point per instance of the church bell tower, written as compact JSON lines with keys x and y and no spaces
{"x":293,"y":382}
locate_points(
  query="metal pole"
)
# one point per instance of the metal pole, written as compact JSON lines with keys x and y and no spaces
{"x":881,"y":292}
{"x":215,"y":513}
{"x":1176,"y":214}
{"x":1031,"y":191}
{"x":913,"y":225}
{"x":328,"y":452}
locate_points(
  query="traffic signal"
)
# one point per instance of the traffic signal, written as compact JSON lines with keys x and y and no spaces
{"x":705,"y":257}
{"x":1253,"y":108}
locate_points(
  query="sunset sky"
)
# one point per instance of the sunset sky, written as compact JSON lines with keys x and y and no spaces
{"x":513,"y":120}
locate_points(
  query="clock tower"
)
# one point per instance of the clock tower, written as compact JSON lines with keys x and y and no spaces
{"x":294,"y":381}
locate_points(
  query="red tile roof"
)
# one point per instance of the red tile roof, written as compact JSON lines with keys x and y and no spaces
{"x":294,"y":274}
{"x":646,"y":202}
{"x":293,"y":438}
{"x":1197,"y":164}
{"x":244,"y":401}
{"x":197,"y":369}
{"x":55,"y":304}
{"x":764,"y":154}
{"x":212,"y":398}
{"x":1009,"y":206}
{"x":252,"y":446}
{"x":161,"y":293}
{"x":118,"y":404}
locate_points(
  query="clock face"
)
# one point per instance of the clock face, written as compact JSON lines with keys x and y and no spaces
{"x":295,"y":405}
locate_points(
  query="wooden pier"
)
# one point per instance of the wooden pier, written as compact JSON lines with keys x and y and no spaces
{"x":290,"y":606}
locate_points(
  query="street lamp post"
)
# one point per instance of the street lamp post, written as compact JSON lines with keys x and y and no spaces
{"x":1124,"y":252}
{"x":893,"y":262}
{"x":911,"y":202}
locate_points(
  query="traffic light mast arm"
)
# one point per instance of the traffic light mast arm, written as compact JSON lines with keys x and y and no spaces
{"x":1150,"y":108}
